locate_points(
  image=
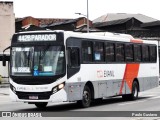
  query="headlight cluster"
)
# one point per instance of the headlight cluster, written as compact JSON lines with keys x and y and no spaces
{"x":13,"y":88}
{"x":54,"y":90}
{"x":58,"y":87}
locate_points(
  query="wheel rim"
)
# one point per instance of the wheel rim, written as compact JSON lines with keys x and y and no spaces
{"x":86,"y":97}
{"x":135,"y":91}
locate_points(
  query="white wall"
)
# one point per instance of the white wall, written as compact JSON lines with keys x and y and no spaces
{"x":7,"y":29}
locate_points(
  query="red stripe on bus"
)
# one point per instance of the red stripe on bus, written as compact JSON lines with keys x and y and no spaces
{"x":136,"y":41}
{"x":131,"y":72}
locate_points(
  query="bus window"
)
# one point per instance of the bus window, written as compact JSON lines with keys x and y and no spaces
{"x":87,"y":51}
{"x":120,"y":52}
{"x":137,"y":53}
{"x":110,"y":52}
{"x":48,"y":60}
{"x":153,"y":53}
{"x":73,"y":55}
{"x":145,"y":53}
{"x":98,"y":51}
{"x":129,"y":53}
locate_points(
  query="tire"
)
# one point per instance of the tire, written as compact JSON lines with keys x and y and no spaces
{"x":86,"y":98}
{"x":135,"y":90}
{"x":134,"y":94}
{"x":41,"y":105}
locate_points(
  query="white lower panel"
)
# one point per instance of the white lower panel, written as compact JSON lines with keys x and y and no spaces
{"x":60,"y":96}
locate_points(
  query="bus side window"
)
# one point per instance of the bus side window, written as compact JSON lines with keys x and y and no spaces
{"x":153,"y":53}
{"x":99,"y":51}
{"x":120,"y":52}
{"x":87,"y":51}
{"x":110,"y":52}
{"x":137,"y":53}
{"x":73,"y":57}
{"x":145,"y":53}
{"x":129,"y":52}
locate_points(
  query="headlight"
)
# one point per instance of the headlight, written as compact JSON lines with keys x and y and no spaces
{"x":61,"y":86}
{"x":58,"y":87}
{"x":13,"y":88}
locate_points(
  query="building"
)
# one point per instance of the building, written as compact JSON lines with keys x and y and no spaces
{"x":36,"y":23}
{"x":78,"y":24}
{"x":138,"y":25}
{"x":7,"y":29}
{"x":21,"y":23}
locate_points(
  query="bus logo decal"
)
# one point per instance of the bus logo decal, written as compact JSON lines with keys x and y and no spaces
{"x":105,"y":73}
{"x":99,"y":73}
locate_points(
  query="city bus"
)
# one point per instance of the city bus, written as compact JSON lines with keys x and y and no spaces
{"x":64,"y":66}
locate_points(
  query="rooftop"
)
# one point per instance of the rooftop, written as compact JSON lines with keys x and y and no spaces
{"x":116,"y":16}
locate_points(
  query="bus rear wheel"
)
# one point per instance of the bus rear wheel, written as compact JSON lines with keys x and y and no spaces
{"x":41,"y":105}
{"x":134,"y":94}
{"x":86,"y":98}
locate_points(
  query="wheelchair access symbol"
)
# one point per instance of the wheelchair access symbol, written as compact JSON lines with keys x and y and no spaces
{"x":36,"y":73}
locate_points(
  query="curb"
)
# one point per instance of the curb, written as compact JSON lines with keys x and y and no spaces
{"x":4,"y":94}
{"x":4,"y":85}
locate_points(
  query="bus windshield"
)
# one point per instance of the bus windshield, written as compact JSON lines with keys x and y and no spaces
{"x":37,"y":61}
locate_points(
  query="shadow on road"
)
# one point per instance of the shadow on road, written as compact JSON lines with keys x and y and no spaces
{"x":74,"y":106}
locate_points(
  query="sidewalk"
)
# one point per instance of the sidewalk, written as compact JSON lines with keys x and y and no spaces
{"x":4,"y":91}
{"x":4,"y":88}
{"x":4,"y":85}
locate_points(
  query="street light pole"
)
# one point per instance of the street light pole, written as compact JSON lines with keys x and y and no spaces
{"x":87,"y":18}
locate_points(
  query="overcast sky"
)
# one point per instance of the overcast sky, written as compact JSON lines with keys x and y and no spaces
{"x":97,"y":8}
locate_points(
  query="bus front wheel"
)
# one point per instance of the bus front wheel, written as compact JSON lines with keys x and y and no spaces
{"x":86,"y":97}
{"x":41,"y":105}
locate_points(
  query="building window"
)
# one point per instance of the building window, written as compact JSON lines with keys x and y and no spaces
{"x":120,"y":52}
{"x":110,"y":52}
{"x":87,"y":51}
{"x":137,"y":53}
{"x":98,"y":51}
{"x":129,"y":53}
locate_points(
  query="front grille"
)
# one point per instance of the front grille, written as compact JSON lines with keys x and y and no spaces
{"x":27,"y":95}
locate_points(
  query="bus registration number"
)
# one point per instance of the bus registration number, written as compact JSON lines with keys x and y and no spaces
{"x":33,"y":97}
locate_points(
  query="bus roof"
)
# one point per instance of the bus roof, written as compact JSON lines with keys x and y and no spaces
{"x":96,"y":35}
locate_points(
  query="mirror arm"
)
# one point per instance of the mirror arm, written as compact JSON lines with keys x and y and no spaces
{"x":6,"y":49}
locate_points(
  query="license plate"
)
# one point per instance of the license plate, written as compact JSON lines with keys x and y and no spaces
{"x":33,"y":97}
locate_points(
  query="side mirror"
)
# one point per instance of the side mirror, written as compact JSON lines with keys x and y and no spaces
{"x":4,"y":59}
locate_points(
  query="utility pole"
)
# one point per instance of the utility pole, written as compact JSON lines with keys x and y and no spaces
{"x":87,"y":18}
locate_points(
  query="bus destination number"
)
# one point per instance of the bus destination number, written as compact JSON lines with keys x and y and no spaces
{"x":21,"y":69}
{"x":40,"y":37}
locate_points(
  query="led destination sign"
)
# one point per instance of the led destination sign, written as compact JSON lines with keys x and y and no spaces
{"x":39,"y":37}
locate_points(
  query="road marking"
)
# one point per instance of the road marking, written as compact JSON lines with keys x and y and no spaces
{"x":4,"y":94}
{"x":147,"y":95}
{"x":151,"y":98}
{"x":128,"y":103}
{"x":156,"y":97}
{"x":1,"y":102}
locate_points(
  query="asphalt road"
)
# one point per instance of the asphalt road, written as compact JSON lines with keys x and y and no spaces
{"x":148,"y":101}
